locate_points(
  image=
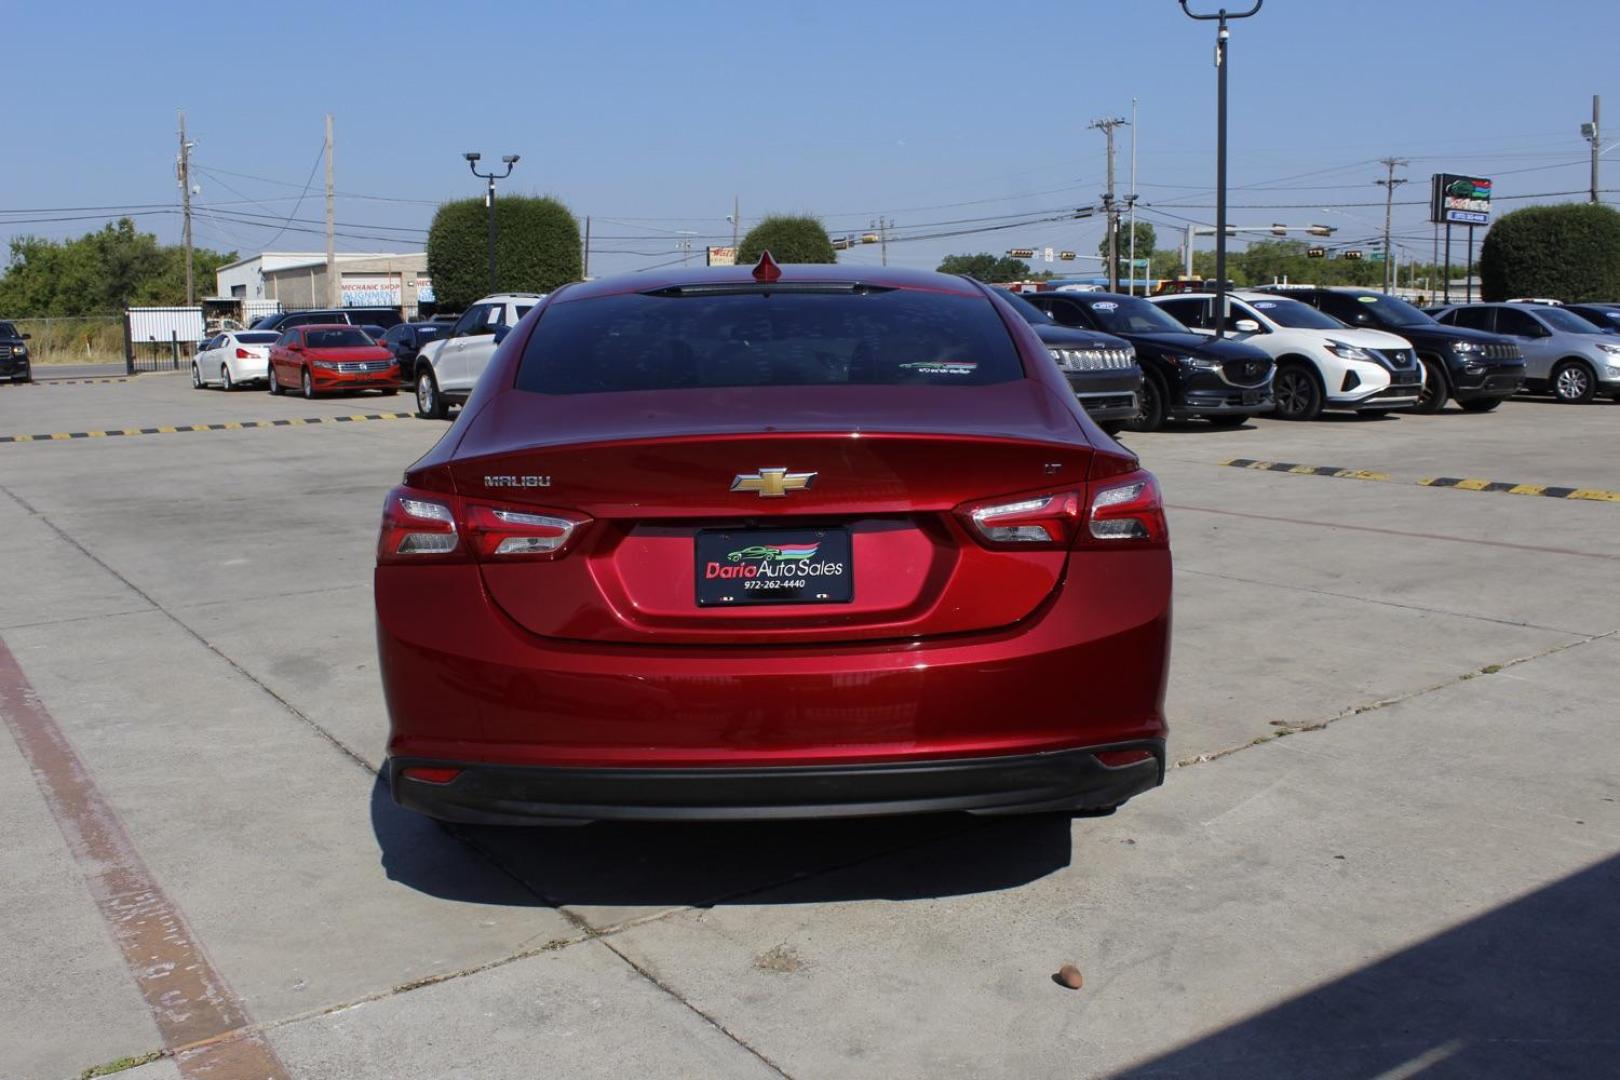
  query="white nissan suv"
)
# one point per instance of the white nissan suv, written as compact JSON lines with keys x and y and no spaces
{"x":447,"y":369}
{"x":1321,"y":362}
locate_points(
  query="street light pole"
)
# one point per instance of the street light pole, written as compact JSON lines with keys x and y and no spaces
{"x":1221,"y":37}
{"x":489,"y":199}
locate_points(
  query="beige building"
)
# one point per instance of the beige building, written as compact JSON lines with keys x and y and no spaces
{"x":298,"y":279}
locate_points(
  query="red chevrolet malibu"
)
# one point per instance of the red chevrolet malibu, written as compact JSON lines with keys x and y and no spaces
{"x":796,"y":541}
{"x":320,"y":358}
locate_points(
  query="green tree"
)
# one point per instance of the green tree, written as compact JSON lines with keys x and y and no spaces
{"x":986,"y":267}
{"x":100,"y":273}
{"x":537,"y":248}
{"x":789,"y":239}
{"x":1569,"y":251}
{"x":1146,"y":238}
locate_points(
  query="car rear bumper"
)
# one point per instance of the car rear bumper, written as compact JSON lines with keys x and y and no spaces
{"x":1076,"y":779}
{"x":467,"y":687}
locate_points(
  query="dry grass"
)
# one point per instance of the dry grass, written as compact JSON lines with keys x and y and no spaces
{"x":92,"y":339}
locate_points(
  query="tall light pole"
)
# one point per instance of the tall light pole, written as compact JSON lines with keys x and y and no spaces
{"x":1221,"y":37}
{"x":489,"y":199}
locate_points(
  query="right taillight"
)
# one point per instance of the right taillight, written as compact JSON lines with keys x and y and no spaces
{"x":422,"y":526}
{"x":1125,"y":511}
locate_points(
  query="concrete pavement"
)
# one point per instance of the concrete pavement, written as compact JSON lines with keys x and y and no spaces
{"x":1390,"y":846}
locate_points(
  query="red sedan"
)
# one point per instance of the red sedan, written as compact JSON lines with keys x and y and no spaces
{"x":799,"y":541}
{"x":321,"y":358}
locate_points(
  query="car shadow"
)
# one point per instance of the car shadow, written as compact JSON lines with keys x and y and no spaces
{"x":707,"y":863}
{"x":1526,"y":989}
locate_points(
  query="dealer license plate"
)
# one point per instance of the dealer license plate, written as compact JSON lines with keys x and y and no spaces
{"x":774,"y":566}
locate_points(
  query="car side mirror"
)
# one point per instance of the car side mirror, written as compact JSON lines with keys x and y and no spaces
{"x":501,"y":332}
{"x":1246,"y":326}
{"x":27,"y":337}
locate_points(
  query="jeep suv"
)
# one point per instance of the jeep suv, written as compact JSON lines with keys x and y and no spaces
{"x":447,"y":369}
{"x":1475,"y":368}
{"x":14,"y":354}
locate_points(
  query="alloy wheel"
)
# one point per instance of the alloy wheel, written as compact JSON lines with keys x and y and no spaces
{"x":196,"y":378}
{"x":424,"y":394}
{"x":309,"y":387}
{"x":1572,"y":384}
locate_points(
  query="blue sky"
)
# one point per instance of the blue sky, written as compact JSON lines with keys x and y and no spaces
{"x":650,"y":116}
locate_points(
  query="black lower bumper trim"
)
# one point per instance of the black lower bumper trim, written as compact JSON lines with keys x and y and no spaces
{"x":1025,"y":783}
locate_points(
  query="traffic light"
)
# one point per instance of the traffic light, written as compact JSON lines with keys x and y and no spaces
{"x":1316,"y":253}
{"x":1352,"y":254}
{"x":1066,"y":256}
{"x":1021,"y":253}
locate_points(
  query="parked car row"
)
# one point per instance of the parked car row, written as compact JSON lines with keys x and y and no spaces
{"x":1565,"y":354}
{"x":310,"y":358}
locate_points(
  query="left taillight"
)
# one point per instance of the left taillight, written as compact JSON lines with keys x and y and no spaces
{"x":422,"y":526}
{"x":243,"y":354}
{"x":418,"y":526}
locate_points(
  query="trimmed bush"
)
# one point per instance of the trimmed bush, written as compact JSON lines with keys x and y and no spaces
{"x":1569,"y":252}
{"x":789,"y":240}
{"x":537,"y":248}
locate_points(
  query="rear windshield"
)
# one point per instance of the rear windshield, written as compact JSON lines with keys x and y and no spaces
{"x":248,"y":337}
{"x":336,"y":339}
{"x":1559,"y":319}
{"x":780,"y":337}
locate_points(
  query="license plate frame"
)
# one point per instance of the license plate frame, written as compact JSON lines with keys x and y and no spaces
{"x":783,"y":567}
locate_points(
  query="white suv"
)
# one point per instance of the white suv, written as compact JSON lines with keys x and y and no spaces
{"x":1321,"y":362}
{"x":447,"y":369}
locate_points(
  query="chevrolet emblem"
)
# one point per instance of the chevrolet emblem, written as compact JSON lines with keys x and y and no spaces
{"x":773,"y":483}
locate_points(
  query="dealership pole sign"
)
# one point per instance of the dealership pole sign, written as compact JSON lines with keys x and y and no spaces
{"x":1459,"y":200}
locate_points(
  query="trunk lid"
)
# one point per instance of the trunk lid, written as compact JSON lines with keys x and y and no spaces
{"x":890,"y":464}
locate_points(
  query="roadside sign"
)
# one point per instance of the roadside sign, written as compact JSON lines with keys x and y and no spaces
{"x":722,"y":256}
{"x":1459,"y":200}
{"x":1047,"y":255}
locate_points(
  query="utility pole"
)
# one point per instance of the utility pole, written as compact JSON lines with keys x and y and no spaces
{"x":1389,"y":185}
{"x":585,"y":261}
{"x":1110,"y":204}
{"x":334,"y":288}
{"x":1594,"y":135}
{"x":883,"y":225}
{"x":185,"y":206}
{"x":1132,"y":199}
{"x":736,"y":220}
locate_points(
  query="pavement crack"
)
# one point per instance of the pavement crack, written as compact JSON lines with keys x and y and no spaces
{"x":72,"y":541}
{"x":1395,"y":699}
{"x":647,"y":974}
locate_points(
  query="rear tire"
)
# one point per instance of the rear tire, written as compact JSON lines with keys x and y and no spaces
{"x":225,"y":382}
{"x":1434,"y":395}
{"x":1480,"y":405}
{"x":430,"y":404}
{"x":1573,"y":383}
{"x":308,"y":386}
{"x":391,"y":391}
{"x":1298,"y":394}
{"x":1150,"y":407}
{"x":271,"y":383}
{"x":196,"y":377}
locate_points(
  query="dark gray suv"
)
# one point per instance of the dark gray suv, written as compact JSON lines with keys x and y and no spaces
{"x":1563,"y":353}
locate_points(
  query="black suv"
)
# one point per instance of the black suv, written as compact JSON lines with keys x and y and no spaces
{"x":1101,"y":369}
{"x":1476,"y":368}
{"x":14,"y":354}
{"x":356,"y":316}
{"x":1187,"y":374}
